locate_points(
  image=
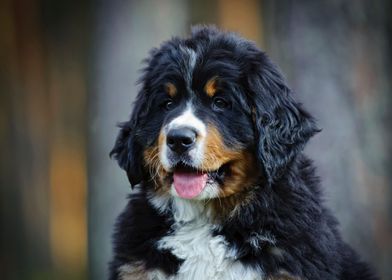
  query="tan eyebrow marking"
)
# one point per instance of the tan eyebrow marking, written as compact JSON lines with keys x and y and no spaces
{"x":211,"y":86}
{"x":170,"y":89}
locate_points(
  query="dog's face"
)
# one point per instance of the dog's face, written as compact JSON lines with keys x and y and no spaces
{"x":212,"y":119}
{"x":201,"y":131}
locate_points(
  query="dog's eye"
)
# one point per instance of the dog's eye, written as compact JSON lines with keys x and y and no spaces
{"x":168,"y":104}
{"x":219,"y":103}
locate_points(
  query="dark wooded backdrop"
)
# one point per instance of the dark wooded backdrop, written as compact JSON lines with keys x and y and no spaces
{"x":67,"y":76}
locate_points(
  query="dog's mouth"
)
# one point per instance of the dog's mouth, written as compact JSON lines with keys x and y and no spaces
{"x":189,"y":181}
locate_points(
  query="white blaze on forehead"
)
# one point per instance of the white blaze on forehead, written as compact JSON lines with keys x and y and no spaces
{"x":192,"y":59}
{"x":189,"y":65}
{"x":191,"y":54}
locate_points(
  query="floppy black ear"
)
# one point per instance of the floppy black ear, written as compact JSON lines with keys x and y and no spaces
{"x":282,"y":125}
{"x":127,"y":153}
{"x":127,"y":150}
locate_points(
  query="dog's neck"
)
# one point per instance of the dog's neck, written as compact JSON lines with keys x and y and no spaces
{"x":181,"y":210}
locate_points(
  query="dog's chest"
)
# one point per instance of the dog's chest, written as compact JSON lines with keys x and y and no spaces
{"x":205,"y":256}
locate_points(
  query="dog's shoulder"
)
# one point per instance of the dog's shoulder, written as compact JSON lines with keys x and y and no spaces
{"x":137,"y":231}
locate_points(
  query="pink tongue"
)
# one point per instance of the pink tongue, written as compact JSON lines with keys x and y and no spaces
{"x":189,"y":185}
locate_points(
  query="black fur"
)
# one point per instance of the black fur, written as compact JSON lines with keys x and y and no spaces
{"x":138,"y":228}
{"x":292,"y":213}
{"x":264,"y":119}
{"x":283,"y":127}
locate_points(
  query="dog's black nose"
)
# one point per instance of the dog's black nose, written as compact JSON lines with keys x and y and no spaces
{"x":180,"y":140}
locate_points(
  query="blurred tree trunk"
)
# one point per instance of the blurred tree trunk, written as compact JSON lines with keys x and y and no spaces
{"x":24,"y":180}
{"x":336,"y":55}
{"x":125,"y":33}
{"x":42,"y":138}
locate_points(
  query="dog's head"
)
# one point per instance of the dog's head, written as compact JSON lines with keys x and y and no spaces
{"x":213,"y":117}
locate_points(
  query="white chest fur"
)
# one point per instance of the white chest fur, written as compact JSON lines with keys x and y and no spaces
{"x":205,"y":256}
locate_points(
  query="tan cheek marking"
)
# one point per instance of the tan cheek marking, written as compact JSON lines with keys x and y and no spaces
{"x":234,"y":193}
{"x":153,"y":163}
{"x":283,"y":275}
{"x":242,"y":164}
{"x":171,"y":89}
{"x":211,"y":86}
{"x":135,"y":271}
{"x":243,"y":172}
{"x":215,"y":152}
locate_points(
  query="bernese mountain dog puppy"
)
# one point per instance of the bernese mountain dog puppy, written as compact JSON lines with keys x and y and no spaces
{"x":222,"y":189}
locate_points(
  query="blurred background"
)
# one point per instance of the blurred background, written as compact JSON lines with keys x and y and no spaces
{"x":67,"y":77}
